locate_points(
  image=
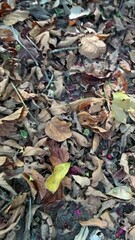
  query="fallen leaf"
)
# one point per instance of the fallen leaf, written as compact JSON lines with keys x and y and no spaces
{"x":58,"y":154}
{"x":92,"y":47}
{"x":106,"y":217}
{"x":43,"y":40}
{"x":122,"y":192}
{"x":124,"y":162}
{"x":131,"y":234}
{"x":19,"y":200}
{"x":58,"y":130}
{"x":125,"y":66}
{"x":15,"y":17}
{"x":80,"y":139}
{"x":14,"y":116}
{"x":94,"y":222}
{"x":132,"y":55}
{"x":119,"y":114}
{"x":33,"y":151}
{"x":82,"y":181}
{"x":53,"y":181}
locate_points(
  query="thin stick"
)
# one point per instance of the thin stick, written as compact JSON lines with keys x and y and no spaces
{"x":21,"y":99}
{"x":63,"y":49}
{"x":49,"y":81}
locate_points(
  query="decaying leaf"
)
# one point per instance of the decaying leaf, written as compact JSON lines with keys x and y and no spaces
{"x":53,"y":181}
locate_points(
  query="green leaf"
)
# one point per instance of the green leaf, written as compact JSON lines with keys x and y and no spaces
{"x":31,"y":178}
{"x":86,"y":132}
{"x":122,"y":192}
{"x":24,"y":134}
{"x":118,"y":113}
{"x":53,"y":181}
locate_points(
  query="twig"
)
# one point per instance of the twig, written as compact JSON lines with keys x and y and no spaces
{"x":63,"y":49}
{"x":49,"y":81}
{"x":21,"y":99}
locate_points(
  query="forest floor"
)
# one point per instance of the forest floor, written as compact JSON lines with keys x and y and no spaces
{"x":67,"y":120}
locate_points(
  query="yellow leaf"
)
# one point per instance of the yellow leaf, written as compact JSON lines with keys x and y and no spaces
{"x":118,"y":113}
{"x":53,"y":181}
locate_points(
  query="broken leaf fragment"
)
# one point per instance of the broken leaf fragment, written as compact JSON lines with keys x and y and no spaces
{"x":53,"y":181}
{"x":121,"y":192}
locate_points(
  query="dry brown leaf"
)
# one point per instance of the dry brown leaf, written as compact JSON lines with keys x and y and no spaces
{"x":58,"y":130}
{"x":59,"y":83}
{"x":125,"y":66}
{"x":132,"y":55}
{"x":43,"y":40}
{"x":33,"y":151}
{"x":58,"y":154}
{"x":94,"y":222}
{"x":15,"y":17}
{"x":2,"y":160}
{"x":14,"y":116}
{"x":132,"y":179}
{"x":82,"y":181}
{"x":71,"y":59}
{"x":124,"y":162}
{"x":95,"y":143}
{"x":5,"y":185}
{"x":92,"y":47}
{"x":12,"y":143}
{"x":19,"y":200}
{"x":80,"y":139}
{"x":131,"y":235}
{"x":38,"y":181}
{"x":25,"y":95}
{"x":95,"y":193}
{"x":67,"y":42}
{"x":77,"y":104}
{"x":106,"y":216}
{"x":44,"y":115}
{"x":86,"y":119}
{"x":58,"y":108}
{"x":97,"y":175}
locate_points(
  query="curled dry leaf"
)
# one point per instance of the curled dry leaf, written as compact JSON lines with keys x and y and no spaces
{"x":92,"y":47}
{"x":36,"y":182}
{"x":58,"y":130}
{"x":14,"y":116}
{"x":94,"y":222}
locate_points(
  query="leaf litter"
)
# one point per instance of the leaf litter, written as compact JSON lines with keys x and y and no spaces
{"x":67,"y":120}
